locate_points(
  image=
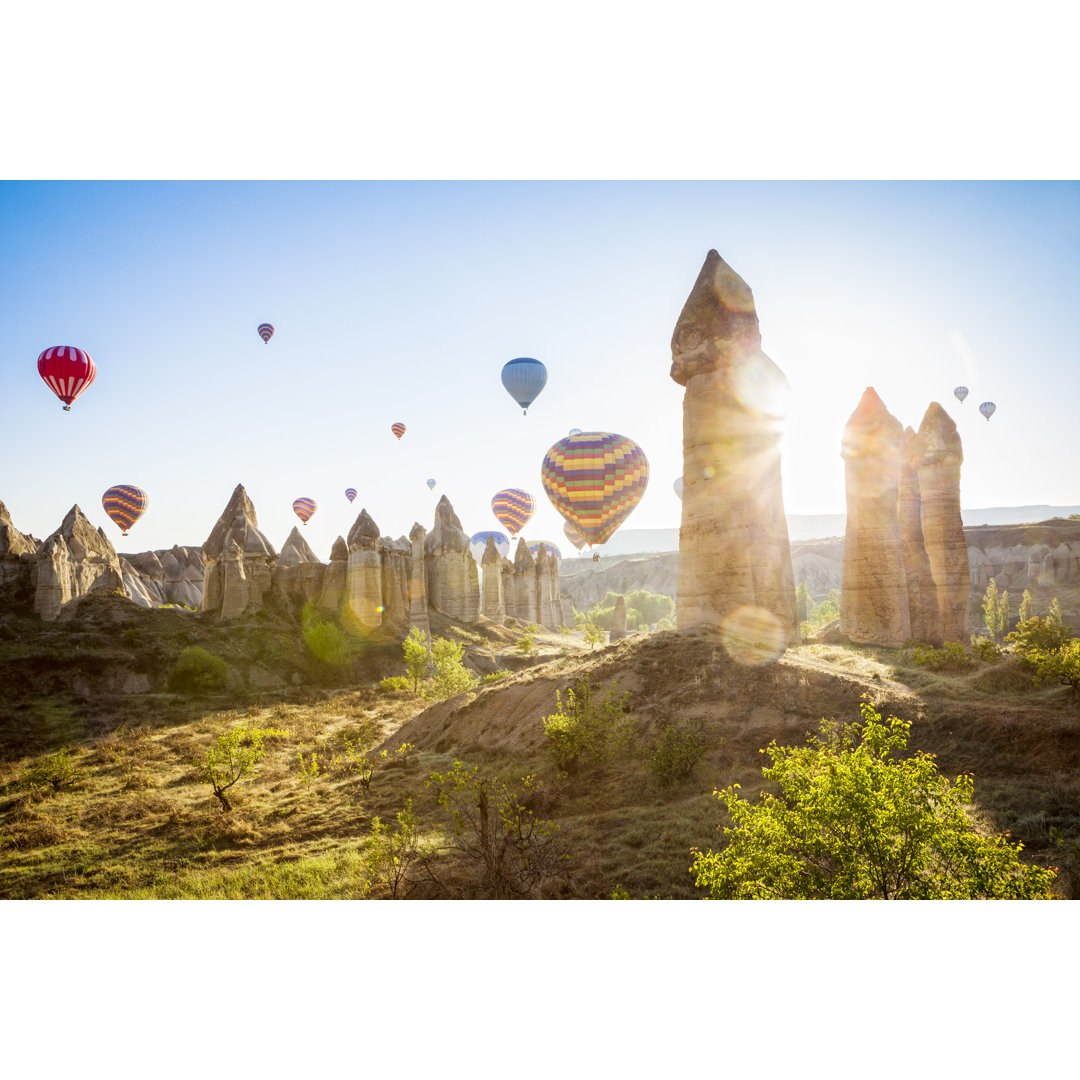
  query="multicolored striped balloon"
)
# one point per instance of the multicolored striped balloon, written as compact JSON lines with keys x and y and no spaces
{"x":398,"y":429}
{"x":524,"y":378}
{"x":67,"y":371}
{"x":350,"y":494}
{"x":304,"y":508}
{"x":513,"y":507}
{"x":266,"y":331}
{"x":125,"y":504}
{"x":595,"y":480}
{"x":551,"y":549}
{"x":570,"y":531}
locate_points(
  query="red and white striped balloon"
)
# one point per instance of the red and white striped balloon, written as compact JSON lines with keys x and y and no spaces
{"x":67,"y":371}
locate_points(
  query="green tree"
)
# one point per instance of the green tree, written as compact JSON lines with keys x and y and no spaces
{"x":391,"y":854}
{"x":417,"y":656}
{"x":593,"y":635}
{"x":852,"y":819}
{"x":234,"y":755}
{"x":587,"y":728}
{"x":1062,"y":664}
{"x":802,"y":602}
{"x":1025,"y":611}
{"x":451,"y":675}
{"x":1053,"y":616}
{"x":198,"y":671}
{"x":996,"y":611}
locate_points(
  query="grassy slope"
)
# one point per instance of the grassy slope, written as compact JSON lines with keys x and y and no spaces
{"x":142,"y":824}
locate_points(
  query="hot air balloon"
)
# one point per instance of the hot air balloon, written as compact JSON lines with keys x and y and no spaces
{"x":575,"y":431}
{"x":570,"y":531}
{"x":987,"y":408}
{"x":431,"y":484}
{"x":350,"y":494}
{"x":67,"y":371}
{"x":513,"y":507}
{"x":398,"y":429}
{"x":595,"y":480}
{"x":266,"y":331}
{"x":125,"y":504}
{"x":678,"y":486}
{"x":960,"y":393}
{"x":551,"y":549}
{"x":478,"y":542}
{"x":524,"y":378}
{"x":304,"y":508}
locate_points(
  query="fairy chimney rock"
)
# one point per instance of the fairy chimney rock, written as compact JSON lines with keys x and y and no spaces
{"x":526,"y":605}
{"x":492,"y":604}
{"x":231,"y":591}
{"x":363,"y":575}
{"x":734,"y":554}
{"x":296,"y":550}
{"x":453,"y":579}
{"x":333,"y":587}
{"x":418,"y":610}
{"x":16,"y":553}
{"x":943,"y":529}
{"x":874,"y":600}
{"x":618,"y":620}
{"x":364,"y":532}
{"x":922,"y":592}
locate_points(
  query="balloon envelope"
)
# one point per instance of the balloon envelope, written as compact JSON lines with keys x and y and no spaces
{"x":513,"y":507}
{"x":350,"y":494}
{"x":595,"y":480}
{"x":478,"y":542}
{"x":961,"y":392}
{"x":266,"y":331}
{"x":304,"y":508}
{"x":575,"y":431}
{"x":570,"y":531}
{"x":524,"y":378}
{"x":125,"y":504}
{"x":987,"y":408}
{"x":431,"y":483}
{"x":552,"y":550}
{"x":67,"y":371}
{"x":398,"y":429}
{"x":678,"y":486}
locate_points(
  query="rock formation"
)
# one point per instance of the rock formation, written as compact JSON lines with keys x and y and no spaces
{"x":453,"y":581}
{"x":942,"y":526}
{"x":618,"y":620}
{"x":168,"y":576}
{"x":874,"y":600}
{"x":332,"y":594}
{"x":396,"y":555}
{"x":16,"y":551}
{"x":418,"y":609}
{"x":523,"y":603}
{"x":364,"y":579}
{"x":75,"y":560}
{"x":298,"y":573}
{"x":733,"y":543}
{"x":922,"y":593}
{"x":237,"y":559}
{"x":492,"y":605}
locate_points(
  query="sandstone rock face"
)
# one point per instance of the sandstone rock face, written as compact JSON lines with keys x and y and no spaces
{"x":1043,"y":556}
{"x":16,"y":552}
{"x":453,"y":581}
{"x":363,"y":576}
{"x":874,"y":600}
{"x":943,"y":528}
{"x":618,"y":620}
{"x":296,"y":550}
{"x":492,"y":605}
{"x":229,"y":588}
{"x":172,"y":576}
{"x":548,"y":613}
{"x":396,"y":556}
{"x":418,"y":610}
{"x":733,"y":543}
{"x":922,"y":592}
{"x":297,"y":575}
{"x":333,"y":588}
{"x":525,"y":606}
{"x":75,"y":560}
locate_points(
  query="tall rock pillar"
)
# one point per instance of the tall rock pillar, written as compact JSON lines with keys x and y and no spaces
{"x":418,"y":611}
{"x":734,"y":554}
{"x":922,"y":593}
{"x":618,"y":620}
{"x":943,"y":528}
{"x":874,"y":598}
{"x":363,"y":573}
{"x":492,"y":605}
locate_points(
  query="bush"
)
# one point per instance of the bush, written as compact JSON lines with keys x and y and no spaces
{"x":985,"y":650}
{"x":1062,"y":664}
{"x":389,"y":855}
{"x":951,"y":657}
{"x":593,"y":635}
{"x":451,"y":675}
{"x":198,"y":672}
{"x":854,"y":820}
{"x":1038,"y":634}
{"x":587,"y":730}
{"x":526,"y":645}
{"x":674,"y":753}
{"x":55,"y":771}
{"x":394,"y":684}
{"x":233,"y":756}
{"x":496,"y":676}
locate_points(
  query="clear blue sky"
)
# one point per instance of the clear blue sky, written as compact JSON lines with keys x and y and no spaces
{"x":402,"y":301}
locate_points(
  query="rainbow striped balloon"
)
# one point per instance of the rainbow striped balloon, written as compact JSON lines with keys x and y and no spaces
{"x":304,"y":508}
{"x":551,"y":549}
{"x":125,"y":504}
{"x":513,"y":507}
{"x":595,"y":480}
{"x":570,"y":531}
{"x":266,"y":331}
{"x":350,"y":494}
{"x":398,"y":429}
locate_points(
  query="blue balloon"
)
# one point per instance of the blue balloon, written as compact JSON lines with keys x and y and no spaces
{"x":478,"y":542}
{"x":524,"y":378}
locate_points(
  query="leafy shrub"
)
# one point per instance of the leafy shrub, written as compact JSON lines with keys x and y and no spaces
{"x":1038,"y":634}
{"x":310,"y":769}
{"x":328,"y":643}
{"x":389,"y":856}
{"x":417,"y":656}
{"x":1062,"y":664}
{"x":593,"y":635}
{"x":985,"y":650}
{"x":394,"y":684}
{"x":451,"y":675}
{"x":951,"y":657}
{"x":587,"y":729}
{"x":674,"y":753}
{"x":233,"y":756}
{"x":197,"y":672}
{"x":53,"y":772}
{"x":854,"y":819}
{"x":496,"y":676}
{"x":526,"y":645}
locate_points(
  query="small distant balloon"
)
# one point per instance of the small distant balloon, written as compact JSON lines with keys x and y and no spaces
{"x":67,"y":371}
{"x":961,"y":392}
{"x":431,"y":484}
{"x":552,"y":550}
{"x":573,"y":534}
{"x":478,"y":542}
{"x":125,"y":504}
{"x":304,"y":508}
{"x":398,"y":429}
{"x":266,"y":331}
{"x":513,"y":507}
{"x":678,"y":486}
{"x":350,"y":494}
{"x":524,"y":378}
{"x":576,"y":431}
{"x":987,"y":408}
